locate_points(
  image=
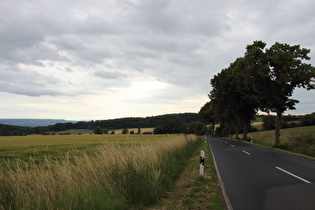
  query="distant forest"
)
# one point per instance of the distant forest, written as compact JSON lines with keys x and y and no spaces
{"x":129,"y":122}
{"x":163,"y":124}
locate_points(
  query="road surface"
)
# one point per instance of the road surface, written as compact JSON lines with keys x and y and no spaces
{"x":257,"y":178}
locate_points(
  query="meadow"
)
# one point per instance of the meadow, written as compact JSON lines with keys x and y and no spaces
{"x":38,"y":147}
{"x":90,"y":171}
{"x":298,"y":139}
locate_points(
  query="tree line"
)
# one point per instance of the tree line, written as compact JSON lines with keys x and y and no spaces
{"x":129,"y":122}
{"x":263,"y":79}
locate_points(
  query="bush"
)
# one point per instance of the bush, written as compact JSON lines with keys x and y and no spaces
{"x":125,"y":131}
{"x":98,"y":130}
{"x":308,"y":119}
{"x":269,"y":122}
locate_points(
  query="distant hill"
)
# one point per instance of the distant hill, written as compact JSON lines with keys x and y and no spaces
{"x":32,"y":122}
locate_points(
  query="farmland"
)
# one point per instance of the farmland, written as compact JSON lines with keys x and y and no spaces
{"x":38,"y":146}
{"x":90,"y":171}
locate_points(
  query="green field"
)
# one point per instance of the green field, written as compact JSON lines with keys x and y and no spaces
{"x":298,"y":139}
{"x":91,"y":171}
{"x":39,"y":146}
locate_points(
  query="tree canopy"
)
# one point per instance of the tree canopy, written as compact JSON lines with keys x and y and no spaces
{"x":262,"y":79}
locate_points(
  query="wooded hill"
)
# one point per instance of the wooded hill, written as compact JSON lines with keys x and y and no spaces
{"x":129,"y":122}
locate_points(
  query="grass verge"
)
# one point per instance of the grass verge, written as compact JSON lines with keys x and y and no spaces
{"x":193,"y":191}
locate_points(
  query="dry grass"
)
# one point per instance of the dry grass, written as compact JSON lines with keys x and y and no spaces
{"x":135,"y":130}
{"x":193,"y":191}
{"x":114,"y":176}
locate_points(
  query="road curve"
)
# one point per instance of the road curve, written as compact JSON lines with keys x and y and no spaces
{"x":256,"y":178}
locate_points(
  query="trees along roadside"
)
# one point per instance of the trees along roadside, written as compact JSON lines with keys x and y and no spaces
{"x":207,"y":114}
{"x":233,"y":101}
{"x":274,"y":73}
{"x":263,"y":79}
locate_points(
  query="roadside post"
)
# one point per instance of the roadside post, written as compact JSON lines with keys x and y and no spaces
{"x":202,"y":162}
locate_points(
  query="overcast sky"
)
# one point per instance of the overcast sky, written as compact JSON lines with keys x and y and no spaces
{"x":105,"y":59}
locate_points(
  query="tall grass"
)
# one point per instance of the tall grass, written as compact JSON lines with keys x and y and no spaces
{"x":300,"y":139}
{"x":113,"y":177}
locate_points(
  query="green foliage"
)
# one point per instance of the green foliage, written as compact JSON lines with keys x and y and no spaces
{"x":263,"y":78}
{"x":300,"y":143}
{"x":98,"y":130}
{"x":308,"y":119}
{"x":207,"y":114}
{"x":130,"y":122}
{"x":176,"y":125}
{"x":269,"y":122}
{"x":105,"y":130}
{"x":125,"y":131}
{"x":232,"y":99}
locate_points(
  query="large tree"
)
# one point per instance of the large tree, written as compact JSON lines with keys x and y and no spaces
{"x":207,"y":114}
{"x":274,"y":73}
{"x":232,"y":99}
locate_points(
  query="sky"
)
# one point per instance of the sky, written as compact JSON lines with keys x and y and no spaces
{"x":106,"y":59}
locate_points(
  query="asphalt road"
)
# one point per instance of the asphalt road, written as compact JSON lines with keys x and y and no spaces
{"x":257,"y":178}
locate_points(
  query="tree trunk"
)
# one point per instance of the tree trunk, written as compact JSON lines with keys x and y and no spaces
{"x":213,"y":131}
{"x":278,"y":125}
{"x":245,"y":129}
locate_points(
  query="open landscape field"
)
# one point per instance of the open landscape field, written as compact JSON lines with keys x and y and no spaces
{"x":39,"y":146}
{"x":298,"y":139}
{"x":90,"y":171}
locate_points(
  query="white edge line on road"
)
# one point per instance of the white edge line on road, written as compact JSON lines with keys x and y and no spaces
{"x":232,"y":145}
{"x":225,"y":195}
{"x":246,"y":152}
{"x":287,"y":172}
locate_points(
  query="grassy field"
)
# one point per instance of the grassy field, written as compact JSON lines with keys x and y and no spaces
{"x":91,"y":171}
{"x":299,"y":139}
{"x":38,"y":146}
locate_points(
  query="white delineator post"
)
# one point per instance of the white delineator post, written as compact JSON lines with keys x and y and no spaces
{"x":202,"y":162}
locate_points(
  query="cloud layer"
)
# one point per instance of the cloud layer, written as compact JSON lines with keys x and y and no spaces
{"x":106,"y":59}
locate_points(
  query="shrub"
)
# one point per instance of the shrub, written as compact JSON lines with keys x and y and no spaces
{"x":125,"y":131}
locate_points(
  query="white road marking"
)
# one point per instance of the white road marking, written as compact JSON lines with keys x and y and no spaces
{"x":287,"y":172}
{"x":232,"y":145}
{"x":246,"y":152}
{"x":226,"y":142}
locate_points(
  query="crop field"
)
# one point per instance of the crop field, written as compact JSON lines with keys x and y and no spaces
{"x":90,"y":171}
{"x":39,"y":146}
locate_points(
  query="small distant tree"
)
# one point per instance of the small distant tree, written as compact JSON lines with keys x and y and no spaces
{"x":139,"y":130}
{"x":125,"y":131}
{"x":98,"y":130}
{"x":132,"y":132}
{"x":105,"y":130}
{"x":113,"y":132}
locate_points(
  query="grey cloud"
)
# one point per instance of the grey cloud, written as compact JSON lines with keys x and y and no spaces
{"x":109,"y":75}
{"x":28,"y":82}
{"x":28,"y":90}
{"x":74,"y":43}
